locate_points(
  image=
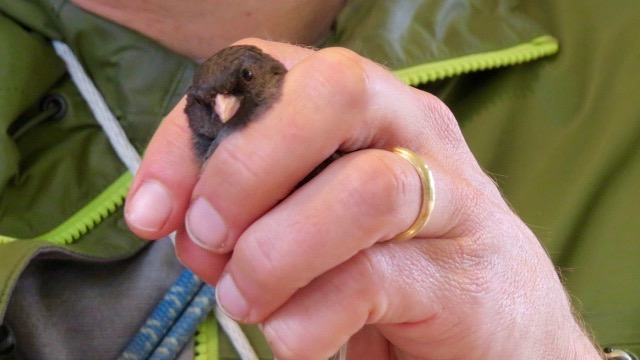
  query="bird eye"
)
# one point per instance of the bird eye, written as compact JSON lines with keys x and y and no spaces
{"x":247,"y":74}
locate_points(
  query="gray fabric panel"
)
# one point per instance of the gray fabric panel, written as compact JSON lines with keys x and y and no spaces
{"x":64,"y":309}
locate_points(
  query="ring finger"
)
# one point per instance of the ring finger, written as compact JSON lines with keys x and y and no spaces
{"x":363,"y":198}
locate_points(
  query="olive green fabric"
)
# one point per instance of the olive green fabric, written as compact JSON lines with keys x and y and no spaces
{"x":562,"y":139}
{"x":561,"y":136}
{"x":405,"y":33}
{"x":54,"y":169}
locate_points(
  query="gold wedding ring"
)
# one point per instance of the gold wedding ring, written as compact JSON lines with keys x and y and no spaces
{"x":428,"y":193}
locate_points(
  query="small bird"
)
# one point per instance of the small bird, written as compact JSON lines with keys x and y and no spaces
{"x":229,"y":90}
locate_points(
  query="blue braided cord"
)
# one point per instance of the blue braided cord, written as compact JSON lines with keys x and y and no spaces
{"x":184,"y":329}
{"x":163,"y":317}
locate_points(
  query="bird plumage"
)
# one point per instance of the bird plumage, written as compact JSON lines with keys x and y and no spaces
{"x":244,"y":73}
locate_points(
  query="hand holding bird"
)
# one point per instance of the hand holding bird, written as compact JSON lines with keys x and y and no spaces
{"x":314,"y":264}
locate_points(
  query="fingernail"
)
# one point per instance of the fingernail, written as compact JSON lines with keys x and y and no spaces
{"x":205,"y":226}
{"x":230,"y":300}
{"x":150,"y":206}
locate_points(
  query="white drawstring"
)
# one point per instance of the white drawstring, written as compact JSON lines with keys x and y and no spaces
{"x":131,"y":159}
{"x":236,"y":335}
{"x":117,"y":137}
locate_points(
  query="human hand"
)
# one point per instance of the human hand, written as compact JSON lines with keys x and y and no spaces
{"x":314,"y":266}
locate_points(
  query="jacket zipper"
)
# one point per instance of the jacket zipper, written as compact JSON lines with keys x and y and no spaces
{"x":88,"y":217}
{"x":206,"y":339}
{"x":421,"y":74}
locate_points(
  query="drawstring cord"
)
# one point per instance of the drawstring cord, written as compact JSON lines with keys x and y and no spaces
{"x":116,"y":135}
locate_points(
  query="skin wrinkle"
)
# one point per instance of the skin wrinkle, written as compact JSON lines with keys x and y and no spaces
{"x":410,"y":270}
{"x":450,"y":138}
{"x":438,"y":250}
{"x":271,"y":261}
{"x":182,"y":132}
{"x":228,"y":155}
{"x":361,"y":276}
{"x":472,"y":209}
{"x":277,"y":340}
{"x":360,"y":272}
{"x":387,"y":259}
{"x":294,"y":231}
{"x":296,"y":130}
{"x":378,"y":307}
{"x":402,"y":191}
{"x":341,"y":288}
{"x":269,"y":257}
{"x":234,"y":153}
{"x":264,"y":245}
{"x":436,"y":314}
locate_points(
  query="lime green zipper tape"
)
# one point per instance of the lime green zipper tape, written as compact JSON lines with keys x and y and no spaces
{"x":206,"y":347}
{"x":89,"y":216}
{"x":6,"y":239}
{"x":438,"y":70}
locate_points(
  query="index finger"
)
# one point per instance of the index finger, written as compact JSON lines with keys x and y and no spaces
{"x":161,"y":190}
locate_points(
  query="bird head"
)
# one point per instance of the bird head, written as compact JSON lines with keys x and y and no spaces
{"x":229,"y":90}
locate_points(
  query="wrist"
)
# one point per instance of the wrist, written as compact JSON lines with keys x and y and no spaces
{"x":551,"y":326}
{"x":572,"y":342}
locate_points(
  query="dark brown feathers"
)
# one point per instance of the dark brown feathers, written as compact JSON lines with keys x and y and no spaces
{"x":244,"y":73}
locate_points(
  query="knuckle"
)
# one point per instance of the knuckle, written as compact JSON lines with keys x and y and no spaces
{"x":379,"y":188}
{"x":473,"y":198}
{"x":267,"y":260}
{"x":473,"y":260}
{"x":342,"y":75}
{"x":470,"y":207}
{"x":360,"y":278}
{"x":357,"y":277}
{"x":365,"y":284}
{"x":284,"y":341}
{"x":475,"y":250}
{"x":442,"y":122}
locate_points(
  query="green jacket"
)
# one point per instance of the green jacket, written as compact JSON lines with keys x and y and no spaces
{"x":559,"y":132}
